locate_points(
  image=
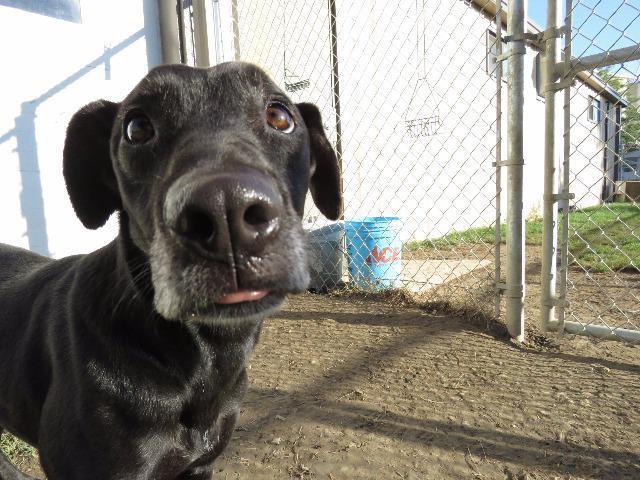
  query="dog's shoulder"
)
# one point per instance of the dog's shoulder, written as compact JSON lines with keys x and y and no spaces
{"x":18,"y":265}
{"x":15,"y":261}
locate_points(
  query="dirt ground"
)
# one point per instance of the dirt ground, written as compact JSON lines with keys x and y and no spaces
{"x":346,"y":387}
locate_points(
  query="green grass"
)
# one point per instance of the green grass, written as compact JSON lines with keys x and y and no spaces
{"x":21,"y":454}
{"x":604,"y":238}
{"x":601,"y":238}
{"x":533,"y":234}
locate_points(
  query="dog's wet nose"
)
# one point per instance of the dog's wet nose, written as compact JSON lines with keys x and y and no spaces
{"x":198,"y":226}
{"x":231,"y":210}
{"x":256,"y":218}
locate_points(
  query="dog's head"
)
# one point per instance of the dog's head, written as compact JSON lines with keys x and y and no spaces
{"x":210,"y":169}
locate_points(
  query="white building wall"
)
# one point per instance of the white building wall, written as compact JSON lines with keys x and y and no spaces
{"x":586,"y":151}
{"x":401,"y":62}
{"x":398,"y":62}
{"x":418,"y":114}
{"x":404,"y":67}
{"x":53,"y":67}
{"x":589,"y":148}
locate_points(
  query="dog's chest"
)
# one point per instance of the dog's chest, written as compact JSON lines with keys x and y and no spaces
{"x":197,"y":441}
{"x":211,"y":407}
{"x":201,"y":432}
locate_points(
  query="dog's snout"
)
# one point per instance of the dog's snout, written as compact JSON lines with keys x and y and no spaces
{"x":230,"y":211}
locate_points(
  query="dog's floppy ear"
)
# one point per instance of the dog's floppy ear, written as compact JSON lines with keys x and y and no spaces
{"x":87,"y":167}
{"x":325,"y":183}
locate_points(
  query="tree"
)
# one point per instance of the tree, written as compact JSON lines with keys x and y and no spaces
{"x":630,"y":124}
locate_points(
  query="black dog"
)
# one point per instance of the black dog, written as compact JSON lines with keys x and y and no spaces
{"x":129,"y":363}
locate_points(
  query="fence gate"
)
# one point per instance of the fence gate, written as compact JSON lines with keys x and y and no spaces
{"x":595,"y":202}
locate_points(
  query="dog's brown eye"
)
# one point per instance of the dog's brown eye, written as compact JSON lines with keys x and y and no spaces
{"x":138,"y":129}
{"x":280,"y":118}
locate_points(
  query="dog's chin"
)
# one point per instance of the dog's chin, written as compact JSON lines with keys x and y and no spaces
{"x":195,"y":291}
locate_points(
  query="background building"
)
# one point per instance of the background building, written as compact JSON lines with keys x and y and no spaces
{"x":57,"y":57}
{"x":415,"y":129}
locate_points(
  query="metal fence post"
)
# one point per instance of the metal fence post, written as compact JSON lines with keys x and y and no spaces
{"x":499,"y":288}
{"x":515,"y":224}
{"x":335,"y":77}
{"x":200,"y":34}
{"x":566,"y":154}
{"x":550,"y":212}
{"x":235,"y":20}
{"x":181,"y":31}
{"x":169,"y":38}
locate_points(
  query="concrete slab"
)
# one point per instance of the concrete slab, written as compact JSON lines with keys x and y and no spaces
{"x":422,"y":275}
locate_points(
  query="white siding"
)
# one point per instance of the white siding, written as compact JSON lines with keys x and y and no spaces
{"x":408,"y":60}
{"x":589,"y":147}
{"x":53,"y":67}
{"x":398,"y":62}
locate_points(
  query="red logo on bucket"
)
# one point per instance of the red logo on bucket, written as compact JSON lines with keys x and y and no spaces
{"x":386,"y":255}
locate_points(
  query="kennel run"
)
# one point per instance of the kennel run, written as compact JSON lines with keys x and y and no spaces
{"x":471,"y":138}
{"x":460,"y":125}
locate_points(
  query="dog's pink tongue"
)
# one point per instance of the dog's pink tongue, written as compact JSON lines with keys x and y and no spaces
{"x":242,"y":296}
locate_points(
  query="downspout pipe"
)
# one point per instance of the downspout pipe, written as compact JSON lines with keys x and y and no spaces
{"x":200,"y":33}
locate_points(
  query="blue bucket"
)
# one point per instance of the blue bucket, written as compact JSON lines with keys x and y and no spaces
{"x":374,"y":252}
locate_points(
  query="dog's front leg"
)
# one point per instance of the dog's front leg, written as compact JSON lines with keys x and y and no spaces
{"x":81,"y":442}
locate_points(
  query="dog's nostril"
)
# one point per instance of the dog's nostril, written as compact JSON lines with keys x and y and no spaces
{"x":196,"y":225}
{"x":259,"y":215}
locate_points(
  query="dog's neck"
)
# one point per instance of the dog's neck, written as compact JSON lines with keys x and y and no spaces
{"x":193,"y":372}
{"x":133,"y":264}
{"x":128,"y":313}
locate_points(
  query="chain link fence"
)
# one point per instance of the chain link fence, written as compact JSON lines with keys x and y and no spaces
{"x":600,"y":238}
{"x":408,"y":96}
{"x":412,"y":94}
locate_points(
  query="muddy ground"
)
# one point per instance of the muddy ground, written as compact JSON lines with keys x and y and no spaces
{"x":350,"y":387}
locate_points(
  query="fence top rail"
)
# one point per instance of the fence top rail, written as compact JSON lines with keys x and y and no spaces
{"x":489,"y":7}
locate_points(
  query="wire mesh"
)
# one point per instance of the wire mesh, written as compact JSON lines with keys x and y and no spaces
{"x":603,"y":237}
{"x":407,"y":92}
